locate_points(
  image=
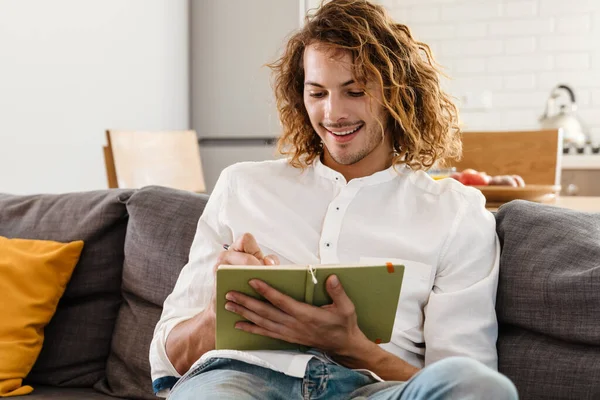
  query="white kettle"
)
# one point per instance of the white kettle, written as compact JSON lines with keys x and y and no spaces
{"x":565,"y":118}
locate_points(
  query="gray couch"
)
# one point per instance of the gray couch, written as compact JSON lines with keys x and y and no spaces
{"x":136,"y":242}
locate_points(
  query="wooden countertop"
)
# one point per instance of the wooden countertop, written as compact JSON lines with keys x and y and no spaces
{"x":579,"y":203}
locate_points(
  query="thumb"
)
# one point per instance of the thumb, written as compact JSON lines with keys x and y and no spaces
{"x":339,"y":296}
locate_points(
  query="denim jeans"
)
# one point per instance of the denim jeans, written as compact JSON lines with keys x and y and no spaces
{"x":451,"y":378}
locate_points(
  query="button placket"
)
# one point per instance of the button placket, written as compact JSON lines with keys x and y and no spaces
{"x":332,"y":225}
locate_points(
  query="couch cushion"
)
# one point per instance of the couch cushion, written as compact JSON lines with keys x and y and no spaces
{"x":161,"y":228}
{"x":545,"y":368}
{"x":33,"y":276}
{"x":550,"y":271}
{"x":77,"y":339}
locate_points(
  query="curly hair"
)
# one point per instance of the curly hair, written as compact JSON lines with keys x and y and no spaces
{"x":421,"y":117}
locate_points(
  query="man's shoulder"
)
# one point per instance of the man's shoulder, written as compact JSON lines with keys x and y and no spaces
{"x":445,"y":188}
{"x":268,"y":168}
{"x":449,"y":200}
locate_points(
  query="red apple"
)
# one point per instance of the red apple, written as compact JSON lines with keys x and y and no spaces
{"x":471,"y":177}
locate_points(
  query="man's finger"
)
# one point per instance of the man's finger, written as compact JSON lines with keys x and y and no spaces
{"x":247,"y":244}
{"x":281,"y":301}
{"x":339,"y":296}
{"x":271,"y":259}
{"x":237,"y":258}
{"x":262,"y":309}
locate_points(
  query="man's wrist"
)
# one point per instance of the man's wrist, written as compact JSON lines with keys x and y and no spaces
{"x":372,"y":357}
{"x":361,"y":356}
{"x":205,"y":323}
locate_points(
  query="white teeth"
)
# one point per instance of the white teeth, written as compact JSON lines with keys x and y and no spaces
{"x":347,"y":132}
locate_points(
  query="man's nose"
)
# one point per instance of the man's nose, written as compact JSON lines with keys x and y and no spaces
{"x":335,"y":108}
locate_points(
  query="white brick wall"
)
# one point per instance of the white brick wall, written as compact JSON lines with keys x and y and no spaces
{"x":516,"y":49}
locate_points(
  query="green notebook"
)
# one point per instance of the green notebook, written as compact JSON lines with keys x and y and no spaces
{"x":374,"y":290}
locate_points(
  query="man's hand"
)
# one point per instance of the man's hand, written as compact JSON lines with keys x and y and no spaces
{"x":244,"y":251}
{"x":332,"y":328}
{"x":194,"y":337}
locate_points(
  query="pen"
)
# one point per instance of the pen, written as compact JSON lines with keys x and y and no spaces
{"x":226,"y":246}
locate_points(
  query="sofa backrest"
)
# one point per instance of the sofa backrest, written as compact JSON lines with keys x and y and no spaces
{"x":77,"y":340}
{"x":162,"y":224}
{"x":548,"y":301}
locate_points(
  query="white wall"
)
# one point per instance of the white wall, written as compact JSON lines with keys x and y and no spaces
{"x":518,"y":50}
{"x":71,"y":69}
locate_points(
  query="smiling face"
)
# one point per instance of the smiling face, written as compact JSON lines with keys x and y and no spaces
{"x":343,"y":115}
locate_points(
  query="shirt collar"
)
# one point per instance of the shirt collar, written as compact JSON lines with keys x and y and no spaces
{"x":378,"y":177}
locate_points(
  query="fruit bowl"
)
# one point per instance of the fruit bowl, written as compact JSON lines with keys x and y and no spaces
{"x":502,"y":194}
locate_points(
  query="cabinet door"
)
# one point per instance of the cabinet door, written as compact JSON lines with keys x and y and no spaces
{"x":580,"y":182}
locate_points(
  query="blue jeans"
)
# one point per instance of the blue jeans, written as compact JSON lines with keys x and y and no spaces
{"x":451,"y":378}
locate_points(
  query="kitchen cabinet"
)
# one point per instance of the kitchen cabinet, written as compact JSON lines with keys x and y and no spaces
{"x":580,"y":175}
{"x":232,"y":103}
{"x":231,"y":41}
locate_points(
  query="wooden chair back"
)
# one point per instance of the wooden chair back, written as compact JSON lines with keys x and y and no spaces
{"x":535,"y":155}
{"x":134,"y":159}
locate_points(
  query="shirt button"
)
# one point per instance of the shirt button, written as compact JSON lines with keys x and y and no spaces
{"x":337,"y":208}
{"x":328,"y":244}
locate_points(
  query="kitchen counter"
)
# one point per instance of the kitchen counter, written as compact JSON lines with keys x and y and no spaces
{"x":580,"y":161}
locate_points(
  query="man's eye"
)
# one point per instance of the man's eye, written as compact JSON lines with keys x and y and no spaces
{"x":356,"y":94}
{"x":317,"y":95}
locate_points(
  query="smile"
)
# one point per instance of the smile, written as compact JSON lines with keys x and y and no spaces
{"x":345,"y":133}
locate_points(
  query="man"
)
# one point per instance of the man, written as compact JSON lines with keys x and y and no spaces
{"x":362,"y":115}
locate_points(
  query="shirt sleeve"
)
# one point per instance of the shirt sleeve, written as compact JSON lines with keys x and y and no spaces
{"x":194,"y":287}
{"x":460,"y":317}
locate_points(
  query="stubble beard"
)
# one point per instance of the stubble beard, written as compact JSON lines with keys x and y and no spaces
{"x":374,"y":140}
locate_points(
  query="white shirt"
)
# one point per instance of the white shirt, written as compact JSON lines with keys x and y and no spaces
{"x":440,"y":231}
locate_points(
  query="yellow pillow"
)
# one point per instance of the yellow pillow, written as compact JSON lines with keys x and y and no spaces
{"x":33,"y":277}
